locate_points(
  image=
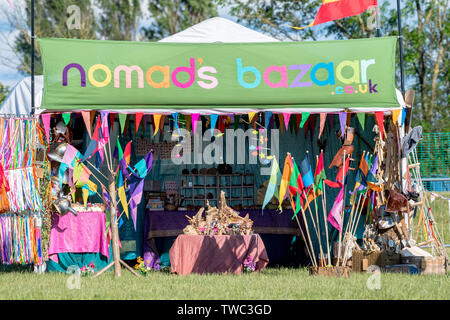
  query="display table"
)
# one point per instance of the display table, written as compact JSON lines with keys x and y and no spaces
{"x":71,"y":235}
{"x":278,"y":231}
{"x":216,"y":254}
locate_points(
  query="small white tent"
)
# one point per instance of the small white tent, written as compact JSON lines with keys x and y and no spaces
{"x":18,"y":101}
{"x":215,"y":29}
{"x":211,"y":30}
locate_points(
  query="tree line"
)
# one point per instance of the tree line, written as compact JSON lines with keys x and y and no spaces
{"x":425,"y":32}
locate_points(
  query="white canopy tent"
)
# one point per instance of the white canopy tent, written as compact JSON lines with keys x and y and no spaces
{"x":211,"y":30}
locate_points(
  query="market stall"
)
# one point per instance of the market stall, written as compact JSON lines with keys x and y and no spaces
{"x":271,"y":125}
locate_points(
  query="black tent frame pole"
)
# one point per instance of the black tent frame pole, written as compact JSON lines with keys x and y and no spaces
{"x":400,"y":45}
{"x":32,"y":58}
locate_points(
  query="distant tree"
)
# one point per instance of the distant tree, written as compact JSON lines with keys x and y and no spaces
{"x":425,"y":31}
{"x":3,"y":92}
{"x":118,"y":19}
{"x":51,"y":18}
{"x":172,"y":16}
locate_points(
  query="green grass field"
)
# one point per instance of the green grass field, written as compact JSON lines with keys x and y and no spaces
{"x":271,"y":283}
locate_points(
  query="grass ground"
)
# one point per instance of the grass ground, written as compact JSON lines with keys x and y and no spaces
{"x":271,"y":283}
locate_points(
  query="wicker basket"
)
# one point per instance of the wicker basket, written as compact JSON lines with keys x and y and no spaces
{"x":334,"y":271}
{"x":427,"y":265}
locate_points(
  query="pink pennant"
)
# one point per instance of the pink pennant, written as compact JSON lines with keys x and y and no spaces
{"x":323,"y":118}
{"x":46,"y":122}
{"x":69,"y":155}
{"x":195,"y":117}
{"x":87,"y":121}
{"x":286,"y":117}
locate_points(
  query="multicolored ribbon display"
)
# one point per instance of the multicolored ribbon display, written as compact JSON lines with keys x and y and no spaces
{"x":16,"y":156}
{"x":20,"y":239}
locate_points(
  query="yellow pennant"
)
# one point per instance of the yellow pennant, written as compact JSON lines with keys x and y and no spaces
{"x":156,"y":120}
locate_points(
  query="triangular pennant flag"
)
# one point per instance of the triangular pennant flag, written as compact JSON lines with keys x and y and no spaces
{"x":267,"y":117}
{"x":323,"y":118}
{"x":395,"y":115}
{"x":195,"y":117}
{"x":122,"y":194}
{"x":156,"y":120}
{"x":175,"y":120}
{"x":379,"y":115}
{"x":87,"y":121}
{"x":161,"y":125}
{"x":298,"y":120}
{"x":122,"y":121}
{"x":305,"y":116}
{"x":280,"y":120}
{"x":213,"y":122}
{"x":92,"y":117}
{"x":361,"y":118}
{"x":188,"y":122}
{"x":111,"y":120}
{"x":46,"y":122}
{"x":342,"y":121}
{"x":138,"y":119}
{"x":66,"y":118}
{"x":273,"y":183}
{"x":251,"y":115}
{"x":404,"y":112}
{"x":286,"y":117}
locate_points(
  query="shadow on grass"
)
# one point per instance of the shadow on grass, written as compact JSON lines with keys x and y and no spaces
{"x":27,"y":268}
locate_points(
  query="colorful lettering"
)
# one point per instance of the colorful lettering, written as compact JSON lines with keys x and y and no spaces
{"x":189,"y":70}
{"x":76,"y":66}
{"x":96,"y":83}
{"x":165,"y":83}
{"x":283,"y":72}
{"x":304,"y":69}
{"x":242,"y":70}
{"x":128,"y":71}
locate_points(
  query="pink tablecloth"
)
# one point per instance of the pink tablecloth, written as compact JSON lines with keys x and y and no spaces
{"x":82,"y":234}
{"x":216,"y":254}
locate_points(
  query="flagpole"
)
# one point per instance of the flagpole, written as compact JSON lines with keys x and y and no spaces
{"x":32,"y":59}
{"x":304,"y":239}
{"x":400,"y":46}
{"x":324,"y":205}
{"x":325,"y":216}
{"x":309,"y":237}
{"x":317,"y":217}
{"x":342,"y":212}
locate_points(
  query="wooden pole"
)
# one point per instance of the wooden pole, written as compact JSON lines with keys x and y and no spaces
{"x":309,"y":237}
{"x":114,"y":225}
{"x":314,"y":224}
{"x":304,"y":239}
{"x":342,"y":212}
{"x":324,"y":205}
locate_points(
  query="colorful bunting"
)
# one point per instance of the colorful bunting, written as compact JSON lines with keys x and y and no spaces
{"x":267,"y":117}
{"x":380,"y":122}
{"x":66,"y":118}
{"x":323,"y":118}
{"x":156,"y":120}
{"x":195,"y":117}
{"x":342,"y":120}
{"x":122,"y":121}
{"x":87,"y":121}
{"x":286,"y":117}
{"x":137,"y":121}
{"x":362,"y":119}
{"x":305,"y":116}
{"x":46,"y":122}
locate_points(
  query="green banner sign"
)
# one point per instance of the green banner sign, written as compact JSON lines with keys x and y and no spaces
{"x":91,"y":74}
